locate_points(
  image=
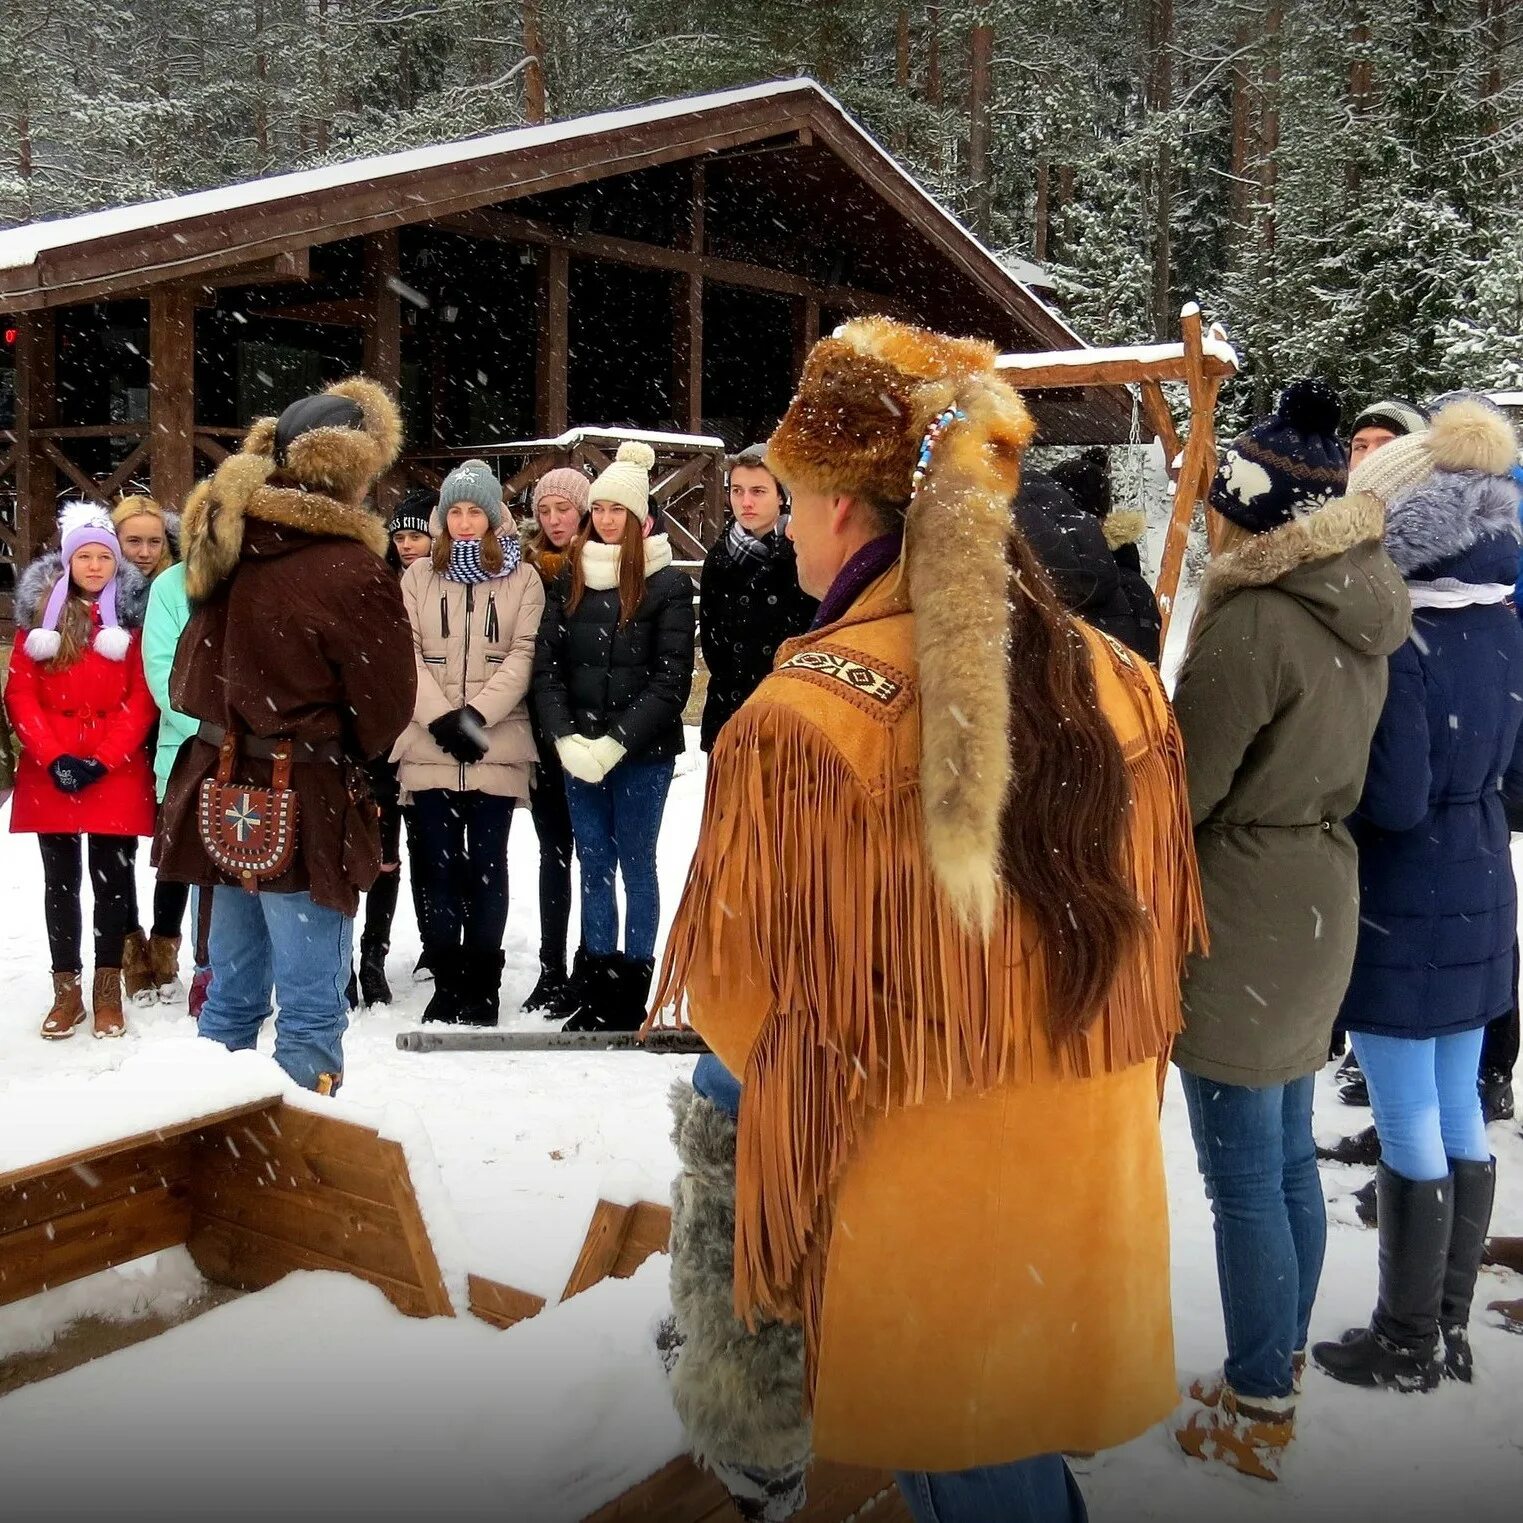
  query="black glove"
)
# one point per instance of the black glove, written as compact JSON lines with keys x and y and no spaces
{"x":74,"y":774}
{"x":461,"y":734}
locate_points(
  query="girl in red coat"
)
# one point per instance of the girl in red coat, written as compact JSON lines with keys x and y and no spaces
{"x":82,"y":712}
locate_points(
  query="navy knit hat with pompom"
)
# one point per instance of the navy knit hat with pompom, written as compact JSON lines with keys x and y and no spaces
{"x":1286,"y":467}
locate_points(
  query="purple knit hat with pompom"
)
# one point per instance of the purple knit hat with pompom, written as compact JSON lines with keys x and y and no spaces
{"x":81,"y":524}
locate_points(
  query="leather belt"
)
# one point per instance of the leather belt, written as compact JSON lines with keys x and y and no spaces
{"x":264,"y":750}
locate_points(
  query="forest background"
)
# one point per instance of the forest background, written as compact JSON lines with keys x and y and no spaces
{"x":1339,"y":183}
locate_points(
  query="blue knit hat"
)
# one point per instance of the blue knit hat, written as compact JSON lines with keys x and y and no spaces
{"x":1287,"y":466}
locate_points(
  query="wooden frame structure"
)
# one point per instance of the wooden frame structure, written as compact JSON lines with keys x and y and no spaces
{"x":768,"y":195}
{"x":1191,"y":462}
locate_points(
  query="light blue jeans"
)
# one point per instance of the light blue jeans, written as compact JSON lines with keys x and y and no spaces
{"x":1038,"y":1490}
{"x":285,"y":946}
{"x":1425,"y":1102}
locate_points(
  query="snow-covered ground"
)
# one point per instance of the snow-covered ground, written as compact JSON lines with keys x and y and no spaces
{"x":317,"y":1399}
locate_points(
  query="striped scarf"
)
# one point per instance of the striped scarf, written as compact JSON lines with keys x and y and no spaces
{"x":465,"y":564}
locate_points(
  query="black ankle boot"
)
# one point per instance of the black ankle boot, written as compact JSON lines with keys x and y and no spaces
{"x":374,"y":990}
{"x":482,"y":988}
{"x":1475,"y":1187}
{"x":597,"y":992}
{"x":1350,"y":1083}
{"x":553,"y":996}
{"x":1362,"y":1148}
{"x":1399,"y":1349}
{"x":447,"y":1003}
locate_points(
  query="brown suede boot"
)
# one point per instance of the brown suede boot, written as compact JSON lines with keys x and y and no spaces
{"x":1505,"y":1253}
{"x":137,"y":970}
{"x":1511,"y":1313}
{"x":106,"y":1002}
{"x":1247,"y":1435}
{"x":68,"y":1007}
{"x":164,"y":969}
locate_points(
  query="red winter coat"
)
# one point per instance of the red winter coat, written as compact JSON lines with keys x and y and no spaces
{"x":97,"y":708}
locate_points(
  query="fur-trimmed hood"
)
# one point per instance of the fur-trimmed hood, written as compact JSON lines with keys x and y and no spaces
{"x":37,"y":583}
{"x":1124,"y":526}
{"x":1448,"y":514}
{"x":1360,"y":598}
{"x":317,"y":491}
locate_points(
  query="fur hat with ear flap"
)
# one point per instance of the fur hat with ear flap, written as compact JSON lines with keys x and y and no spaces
{"x":627,"y":480}
{"x":309,"y":469}
{"x":80,"y":524}
{"x":924,"y":429}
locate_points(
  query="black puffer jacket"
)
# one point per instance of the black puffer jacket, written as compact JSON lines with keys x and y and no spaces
{"x":592,"y":678}
{"x":1070,"y":544}
{"x":747,"y":607}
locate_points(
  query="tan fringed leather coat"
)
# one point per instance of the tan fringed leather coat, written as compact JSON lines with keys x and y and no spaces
{"x":972,"y":1228}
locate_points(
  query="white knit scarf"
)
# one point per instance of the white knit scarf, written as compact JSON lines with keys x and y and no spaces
{"x":1448,"y":593}
{"x":600,"y":562}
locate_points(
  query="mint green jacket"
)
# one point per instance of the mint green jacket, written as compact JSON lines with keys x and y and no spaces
{"x":168,"y":614}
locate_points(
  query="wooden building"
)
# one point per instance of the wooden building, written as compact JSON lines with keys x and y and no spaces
{"x":662,"y":268}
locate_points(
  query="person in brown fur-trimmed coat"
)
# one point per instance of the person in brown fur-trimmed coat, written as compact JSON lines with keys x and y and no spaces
{"x":932,"y":934}
{"x":298,"y":636}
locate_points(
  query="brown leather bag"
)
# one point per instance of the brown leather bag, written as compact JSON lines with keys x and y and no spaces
{"x":249,"y":833}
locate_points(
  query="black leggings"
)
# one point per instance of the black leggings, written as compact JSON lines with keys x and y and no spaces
{"x":381,"y":898}
{"x":552,"y":824}
{"x":461,"y":868}
{"x":169,"y":901}
{"x":113,"y":884}
{"x":1499,"y":1048}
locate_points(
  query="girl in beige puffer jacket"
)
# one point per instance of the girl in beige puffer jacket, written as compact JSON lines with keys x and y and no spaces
{"x":465,"y":760}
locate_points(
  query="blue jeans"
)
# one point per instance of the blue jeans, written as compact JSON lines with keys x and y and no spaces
{"x":717,"y":1085}
{"x":1038,"y":1490}
{"x":616,"y":823}
{"x":285,"y":945}
{"x":1259,"y":1164}
{"x":1424,"y":1098}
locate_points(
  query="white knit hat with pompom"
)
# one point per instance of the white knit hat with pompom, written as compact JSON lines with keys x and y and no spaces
{"x":627,"y":480}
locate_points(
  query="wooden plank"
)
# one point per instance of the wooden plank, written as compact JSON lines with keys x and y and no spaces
{"x":172,"y":393}
{"x":1155,"y":408}
{"x":383,"y":338}
{"x":501,"y":1305}
{"x":679,"y":1492}
{"x":36,"y":377}
{"x":647,"y":1231}
{"x":86,"y":1242}
{"x":552,"y":354}
{"x":313,"y":1154}
{"x":1063,"y":375}
{"x":687,"y":352}
{"x":138,"y":1139}
{"x":80,"y":1187}
{"x":601,"y":1248}
{"x":250,"y":1260}
{"x":123,"y":473}
{"x":87,"y":485}
{"x":415,"y":1232}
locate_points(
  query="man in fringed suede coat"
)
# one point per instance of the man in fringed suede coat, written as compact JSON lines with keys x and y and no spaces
{"x":933,"y":935}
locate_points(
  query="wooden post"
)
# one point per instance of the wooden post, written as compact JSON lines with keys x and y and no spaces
{"x":980,"y":88}
{"x":687,"y":335}
{"x":36,"y":408}
{"x":172,"y":393}
{"x":383,"y":337}
{"x":806,"y":330}
{"x":552,"y":354}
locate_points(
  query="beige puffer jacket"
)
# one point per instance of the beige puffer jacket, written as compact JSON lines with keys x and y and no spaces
{"x":474,"y":645}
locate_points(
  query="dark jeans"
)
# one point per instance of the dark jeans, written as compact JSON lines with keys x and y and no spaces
{"x":381,"y":900}
{"x":1259,"y":1163}
{"x":1038,"y":1490}
{"x":169,"y":901}
{"x":616,"y":824}
{"x":552,"y":824}
{"x":112,"y":859}
{"x":461,"y":867}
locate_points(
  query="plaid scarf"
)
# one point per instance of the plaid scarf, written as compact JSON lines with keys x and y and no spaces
{"x":743,"y":545}
{"x":465,"y":560}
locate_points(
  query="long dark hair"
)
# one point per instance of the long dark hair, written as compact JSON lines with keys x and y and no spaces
{"x":1064,"y":829}
{"x":631,"y":566}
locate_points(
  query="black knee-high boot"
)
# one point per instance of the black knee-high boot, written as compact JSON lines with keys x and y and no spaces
{"x":1475,"y":1187}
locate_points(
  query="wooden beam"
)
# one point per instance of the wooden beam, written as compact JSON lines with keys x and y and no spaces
{"x":383,"y":336}
{"x":507,"y":227}
{"x":1195,"y":470}
{"x":172,"y":394}
{"x":1121,"y":370}
{"x":345,"y":312}
{"x":552,"y":355}
{"x":36,"y":409}
{"x":806,"y":330}
{"x":687,"y":352}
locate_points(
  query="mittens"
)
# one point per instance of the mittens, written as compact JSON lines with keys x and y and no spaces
{"x":607,"y":752}
{"x":575,"y":752}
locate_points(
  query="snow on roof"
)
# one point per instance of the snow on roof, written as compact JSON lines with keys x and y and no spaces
{"x":21,"y":246}
{"x":1215,"y":345}
{"x":1506,"y":398}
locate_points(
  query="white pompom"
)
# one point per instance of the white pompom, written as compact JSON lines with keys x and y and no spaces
{"x":113,"y":643}
{"x":637,"y":452}
{"x":42,"y":644}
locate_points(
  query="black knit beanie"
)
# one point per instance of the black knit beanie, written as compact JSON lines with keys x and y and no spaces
{"x":1287,"y":466}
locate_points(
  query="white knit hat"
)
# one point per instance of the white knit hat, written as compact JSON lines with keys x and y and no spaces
{"x":1467,"y":433}
{"x":627,"y":480}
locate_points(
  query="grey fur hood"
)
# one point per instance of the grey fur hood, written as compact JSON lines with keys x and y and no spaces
{"x":1447,"y":514}
{"x":37,"y":583}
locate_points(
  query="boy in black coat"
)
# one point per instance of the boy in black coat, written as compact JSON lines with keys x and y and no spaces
{"x":749,"y":598}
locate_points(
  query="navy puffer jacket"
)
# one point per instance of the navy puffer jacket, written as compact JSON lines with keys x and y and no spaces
{"x":1438,"y":906}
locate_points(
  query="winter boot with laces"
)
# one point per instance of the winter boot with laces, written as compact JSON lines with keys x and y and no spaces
{"x":1207,"y":1390}
{"x":137,"y":971}
{"x":1249,"y":1434}
{"x":1475,"y":1186}
{"x":68,"y":1010}
{"x":164,"y":969}
{"x":1399,"y":1349}
{"x":373,"y":988}
{"x":106,"y":1003}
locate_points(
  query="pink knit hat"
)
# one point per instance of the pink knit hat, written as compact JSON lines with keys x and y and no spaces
{"x":564,"y":481}
{"x":81,"y":524}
